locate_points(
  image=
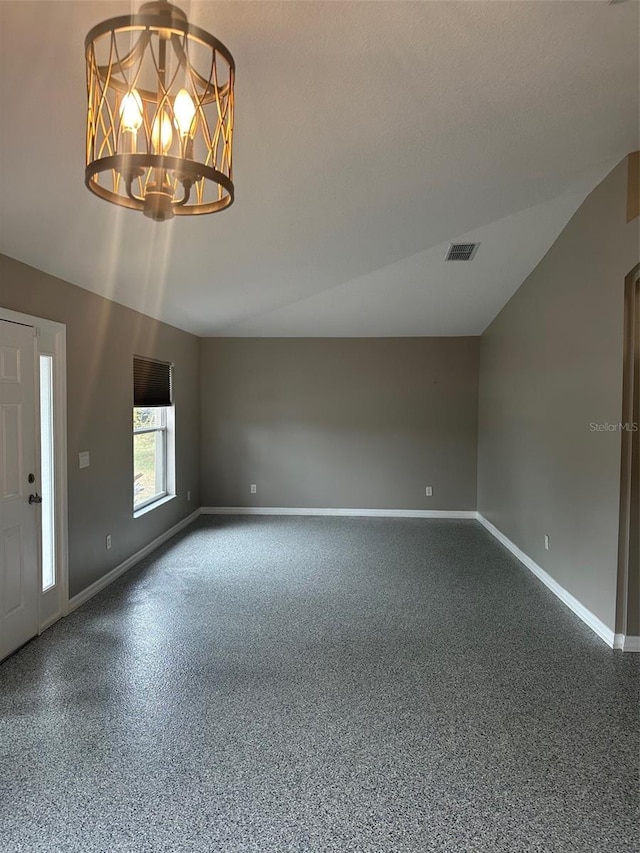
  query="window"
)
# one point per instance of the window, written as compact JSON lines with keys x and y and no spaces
{"x":47,"y":473}
{"x":149,"y":455}
{"x":153,"y":434}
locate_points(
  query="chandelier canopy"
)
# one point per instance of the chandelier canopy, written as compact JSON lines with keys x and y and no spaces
{"x":160,"y":114}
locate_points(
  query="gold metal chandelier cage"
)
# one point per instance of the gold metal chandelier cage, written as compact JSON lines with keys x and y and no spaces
{"x":160,"y":114}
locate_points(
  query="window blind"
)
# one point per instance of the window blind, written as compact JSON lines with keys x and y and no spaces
{"x":152,"y":382}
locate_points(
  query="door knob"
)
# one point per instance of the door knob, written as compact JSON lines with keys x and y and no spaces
{"x":35,"y":499}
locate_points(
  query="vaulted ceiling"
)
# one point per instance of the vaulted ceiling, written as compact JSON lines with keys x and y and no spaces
{"x":368,"y":136}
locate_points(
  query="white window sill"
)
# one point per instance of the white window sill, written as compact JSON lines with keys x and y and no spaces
{"x":145,"y":509}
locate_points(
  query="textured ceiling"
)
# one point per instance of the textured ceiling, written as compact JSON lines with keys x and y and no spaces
{"x":368,"y":135}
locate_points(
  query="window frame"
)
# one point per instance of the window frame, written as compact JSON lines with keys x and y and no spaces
{"x":166,"y":429}
{"x":48,"y":485}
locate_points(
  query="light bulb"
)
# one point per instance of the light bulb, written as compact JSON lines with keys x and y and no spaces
{"x":184,"y":112}
{"x":131,"y":112}
{"x":161,"y":133}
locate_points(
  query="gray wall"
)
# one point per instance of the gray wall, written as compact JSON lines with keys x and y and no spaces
{"x":102,"y":337}
{"x":551,"y":365}
{"x":369,"y":422}
{"x":339,"y":422}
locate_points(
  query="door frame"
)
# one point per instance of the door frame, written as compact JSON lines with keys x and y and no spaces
{"x":51,"y":339}
{"x":628,"y":439}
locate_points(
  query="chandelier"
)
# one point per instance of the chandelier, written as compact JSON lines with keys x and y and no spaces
{"x":160,"y":114}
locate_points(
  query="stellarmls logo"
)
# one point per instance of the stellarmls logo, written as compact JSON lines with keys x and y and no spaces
{"x":628,"y":426}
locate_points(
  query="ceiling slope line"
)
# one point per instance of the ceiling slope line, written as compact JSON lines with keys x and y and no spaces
{"x":580,"y":190}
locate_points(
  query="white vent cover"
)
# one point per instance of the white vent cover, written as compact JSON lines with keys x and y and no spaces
{"x":461,"y":251}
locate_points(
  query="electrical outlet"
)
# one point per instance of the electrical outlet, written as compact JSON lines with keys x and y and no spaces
{"x":188,"y":496}
{"x":84,"y":459}
{"x":108,"y":542}
{"x":546,"y":541}
{"x":429,"y":491}
{"x":254,"y":488}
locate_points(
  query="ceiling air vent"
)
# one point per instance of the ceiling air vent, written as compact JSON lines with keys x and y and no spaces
{"x":462,"y":251}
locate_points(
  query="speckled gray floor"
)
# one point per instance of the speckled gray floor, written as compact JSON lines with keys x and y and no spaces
{"x":301,"y":684}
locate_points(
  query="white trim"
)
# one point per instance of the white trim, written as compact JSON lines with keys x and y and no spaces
{"x":597,"y":625}
{"x":60,"y":432}
{"x":56,"y":332}
{"x":154,"y":504}
{"x":49,"y":622}
{"x":626,"y":643}
{"x":337,"y":511}
{"x":105,"y":580}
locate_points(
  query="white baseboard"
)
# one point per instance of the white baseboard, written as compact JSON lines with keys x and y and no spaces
{"x":614,"y":641}
{"x":597,"y":625}
{"x":626,"y":643}
{"x":338,"y":511}
{"x":105,"y":580}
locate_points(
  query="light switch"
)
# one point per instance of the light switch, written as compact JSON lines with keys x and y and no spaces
{"x":83,"y":459}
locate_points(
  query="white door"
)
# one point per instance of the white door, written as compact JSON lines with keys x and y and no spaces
{"x":19,"y":519}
